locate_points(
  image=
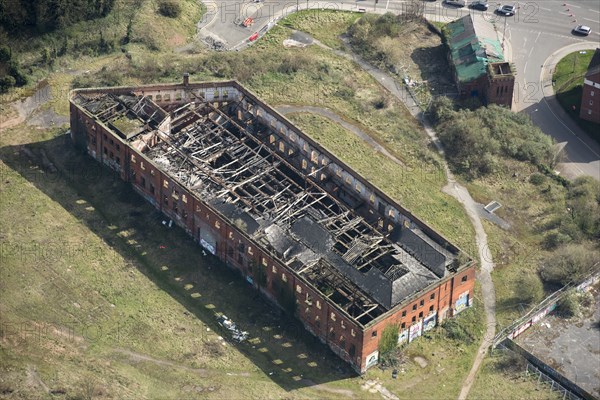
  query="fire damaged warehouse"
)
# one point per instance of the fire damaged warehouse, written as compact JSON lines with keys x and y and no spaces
{"x":297,"y":223}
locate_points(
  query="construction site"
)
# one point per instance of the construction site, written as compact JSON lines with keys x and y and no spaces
{"x":297,"y":223}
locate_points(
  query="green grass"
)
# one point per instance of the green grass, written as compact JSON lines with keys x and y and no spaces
{"x":417,"y":188}
{"x":568,"y":83}
{"x":165,"y":298}
{"x":517,"y":251}
{"x":497,"y":380}
{"x":90,"y":257}
{"x":325,"y":26}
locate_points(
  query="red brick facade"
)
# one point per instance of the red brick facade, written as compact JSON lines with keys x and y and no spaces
{"x":349,"y":339}
{"x":590,"y":98}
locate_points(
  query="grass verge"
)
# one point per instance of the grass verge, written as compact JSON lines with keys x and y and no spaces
{"x":568,"y":82}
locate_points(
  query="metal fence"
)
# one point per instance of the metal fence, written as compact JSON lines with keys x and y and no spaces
{"x":546,"y":380}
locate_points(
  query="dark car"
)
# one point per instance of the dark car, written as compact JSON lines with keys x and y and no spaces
{"x":455,"y":3}
{"x":481,"y":5}
{"x":506,"y":10}
{"x":582,"y":30}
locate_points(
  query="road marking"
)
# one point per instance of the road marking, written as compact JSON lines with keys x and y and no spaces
{"x":592,"y":20}
{"x":573,"y":5}
{"x":596,"y":11}
{"x":545,"y":9}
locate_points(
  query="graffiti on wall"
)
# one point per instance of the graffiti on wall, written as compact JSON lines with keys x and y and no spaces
{"x":403,"y":336}
{"x":429,"y":322}
{"x":415,"y":331}
{"x":372,"y":358}
{"x":461,"y":303}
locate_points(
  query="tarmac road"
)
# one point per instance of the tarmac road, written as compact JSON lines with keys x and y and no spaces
{"x":534,"y":40}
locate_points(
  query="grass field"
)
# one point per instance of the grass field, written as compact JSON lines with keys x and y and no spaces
{"x":568,"y":84}
{"x":418,"y":189}
{"x":98,"y":299}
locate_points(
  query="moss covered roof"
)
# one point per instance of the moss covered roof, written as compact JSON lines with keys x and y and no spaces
{"x":473,"y":44}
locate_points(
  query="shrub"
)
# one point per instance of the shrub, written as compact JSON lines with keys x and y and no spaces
{"x":6,"y":82}
{"x":380,"y":103}
{"x":456,"y":331}
{"x":569,"y":263}
{"x":583,"y":200}
{"x":389,"y":339}
{"x":169,"y":8}
{"x":568,"y":305}
{"x":5,"y":54}
{"x":529,"y":289}
{"x":556,"y":239}
{"x":537,"y":179}
{"x":442,"y":109}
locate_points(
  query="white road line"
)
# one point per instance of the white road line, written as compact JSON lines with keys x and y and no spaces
{"x":596,"y":11}
{"x":573,"y":5}
{"x":592,"y":20}
{"x":545,"y":9}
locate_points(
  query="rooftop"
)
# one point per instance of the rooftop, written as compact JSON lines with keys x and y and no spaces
{"x":230,"y":165}
{"x":473,"y":44}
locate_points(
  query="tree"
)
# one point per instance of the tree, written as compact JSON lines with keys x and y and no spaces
{"x":568,"y":305}
{"x":169,"y":8}
{"x":389,"y":340}
{"x":569,"y":263}
{"x":529,"y":289}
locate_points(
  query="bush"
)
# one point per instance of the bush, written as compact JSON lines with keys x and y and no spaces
{"x":569,"y":263}
{"x":169,"y":8}
{"x":389,"y":339}
{"x":442,"y":109}
{"x":457,"y":331}
{"x":529,"y":289}
{"x":476,"y":139}
{"x":537,"y":179}
{"x":556,"y":239}
{"x":583,"y":200}
{"x":568,"y":305}
{"x":6,"y":82}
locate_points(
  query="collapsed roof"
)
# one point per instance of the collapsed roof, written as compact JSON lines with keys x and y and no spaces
{"x":230,"y":165}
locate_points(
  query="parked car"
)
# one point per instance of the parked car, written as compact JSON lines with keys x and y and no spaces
{"x":507,"y":10}
{"x":456,"y":3}
{"x":481,"y":5}
{"x":582,"y":30}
